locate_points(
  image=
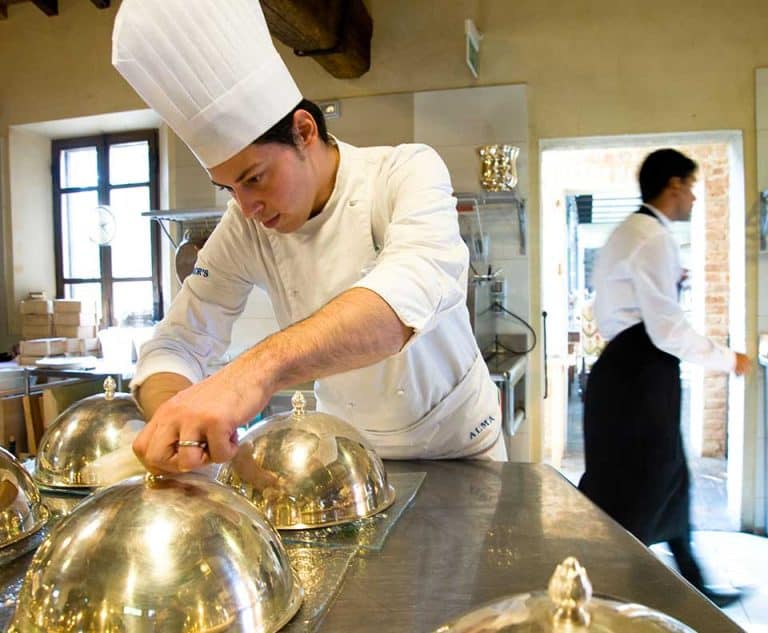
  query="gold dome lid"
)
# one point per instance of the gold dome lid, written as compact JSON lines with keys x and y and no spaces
{"x":160,"y":554}
{"x":82,"y":434}
{"x":305,"y":469}
{"x":567,"y":607}
{"x":21,"y":510}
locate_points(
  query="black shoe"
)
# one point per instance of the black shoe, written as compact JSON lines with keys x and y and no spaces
{"x":722,"y":596}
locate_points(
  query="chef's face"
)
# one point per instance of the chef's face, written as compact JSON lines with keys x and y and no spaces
{"x":685,"y":197}
{"x":273,"y":183}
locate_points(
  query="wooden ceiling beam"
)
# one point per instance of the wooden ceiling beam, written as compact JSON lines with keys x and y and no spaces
{"x":335,"y":33}
{"x":49,"y":7}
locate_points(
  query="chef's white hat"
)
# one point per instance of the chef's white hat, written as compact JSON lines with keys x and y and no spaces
{"x":208,"y":67}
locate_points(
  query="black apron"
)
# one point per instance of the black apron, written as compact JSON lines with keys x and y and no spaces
{"x":636,"y":469}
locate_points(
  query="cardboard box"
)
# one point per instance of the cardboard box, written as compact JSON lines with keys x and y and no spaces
{"x":12,"y":423}
{"x":43,"y":347}
{"x":36,"y":319}
{"x":36,"y":306}
{"x":36,"y":331}
{"x":71,"y":305}
{"x":82,"y":346}
{"x":28,"y":361}
{"x":74,"y":318}
{"x":75,"y":331}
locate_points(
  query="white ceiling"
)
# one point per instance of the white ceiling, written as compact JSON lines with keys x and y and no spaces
{"x":97,"y":124}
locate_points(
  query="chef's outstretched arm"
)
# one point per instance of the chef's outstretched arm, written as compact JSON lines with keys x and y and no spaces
{"x":356,"y":329}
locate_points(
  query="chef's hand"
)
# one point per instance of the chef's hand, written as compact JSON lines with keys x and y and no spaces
{"x":743,"y":364}
{"x":209,"y":411}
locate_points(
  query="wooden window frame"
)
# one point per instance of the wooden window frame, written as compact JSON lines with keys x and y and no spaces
{"x":102,"y":143}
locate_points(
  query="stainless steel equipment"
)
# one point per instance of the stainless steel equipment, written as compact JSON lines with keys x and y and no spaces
{"x":507,"y":369}
{"x":21,"y":510}
{"x":567,"y":607}
{"x":306,"y":469}
{"x":160,"y":554}
{"x":84,"y":433}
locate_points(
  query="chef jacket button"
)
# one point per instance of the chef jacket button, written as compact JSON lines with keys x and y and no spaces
{"x":400,"y":392}
{"x":350,"y":404}
{"x":352,"y":203}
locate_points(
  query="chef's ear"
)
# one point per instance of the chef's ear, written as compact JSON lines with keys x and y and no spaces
{"x":304,"y":128}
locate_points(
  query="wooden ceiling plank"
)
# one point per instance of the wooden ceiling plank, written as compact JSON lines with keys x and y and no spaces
{"x":352,"y":57}
{"x":304,"y":24}
{"x":49,"y":7}
{"x":335,"y":33}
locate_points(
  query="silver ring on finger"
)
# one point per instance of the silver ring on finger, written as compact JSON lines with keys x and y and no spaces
{"x":192,"y":444}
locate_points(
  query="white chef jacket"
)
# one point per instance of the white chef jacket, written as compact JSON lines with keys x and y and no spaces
{"x":390,"y":225}
{"x":636,"y":278}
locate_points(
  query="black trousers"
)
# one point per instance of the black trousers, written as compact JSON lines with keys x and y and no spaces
{"x":636,"y":468}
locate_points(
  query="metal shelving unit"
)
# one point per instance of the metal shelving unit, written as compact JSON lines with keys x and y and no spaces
{"x":468,"y":201}
{"x":196,"y":221}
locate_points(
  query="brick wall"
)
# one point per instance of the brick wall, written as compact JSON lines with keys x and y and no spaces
{"x":714,"y":171}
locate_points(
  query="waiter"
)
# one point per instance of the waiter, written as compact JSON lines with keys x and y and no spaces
{"x":358,"y":249}
{"x":636,"y":468}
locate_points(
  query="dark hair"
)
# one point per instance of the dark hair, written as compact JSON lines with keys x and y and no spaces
{"x":282,"y":131}
{"x":657,"y":169}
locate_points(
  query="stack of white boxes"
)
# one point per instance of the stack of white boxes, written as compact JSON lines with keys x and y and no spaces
{"x":76,"y":321}
{"x":36,"y":318}
{"x":62,"y":327}
{"x":32,"y":350}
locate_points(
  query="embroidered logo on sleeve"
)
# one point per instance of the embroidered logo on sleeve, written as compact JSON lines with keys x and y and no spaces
{"x":200,"y":272}
{"x":474,"y":433}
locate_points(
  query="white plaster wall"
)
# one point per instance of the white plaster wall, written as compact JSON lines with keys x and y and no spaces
{"x":761,"y":465}
{"x":31,"y":218}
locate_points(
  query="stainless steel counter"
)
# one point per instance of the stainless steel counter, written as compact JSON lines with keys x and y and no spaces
{"x":477,"y":531}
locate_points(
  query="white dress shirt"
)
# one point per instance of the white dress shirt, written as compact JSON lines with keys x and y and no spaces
{"x":636,"y":279}
{"x":390,"y":225}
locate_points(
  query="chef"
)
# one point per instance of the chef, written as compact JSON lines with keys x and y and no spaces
{"x":358,"y":249}
{"x":636,"y":468}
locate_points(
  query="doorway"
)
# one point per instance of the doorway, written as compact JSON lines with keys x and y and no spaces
{"x":589,"y":185}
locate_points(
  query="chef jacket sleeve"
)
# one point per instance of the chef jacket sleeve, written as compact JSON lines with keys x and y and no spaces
{"x":421,"y":270}
{"x":655,"y":273}
{"x":198,"y":326}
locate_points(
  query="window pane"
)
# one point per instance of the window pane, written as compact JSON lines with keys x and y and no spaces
{"x":78,"y":167}
{"x":131,"y":298}
{"x":129,"y":162}
{"x":89,"y":294}
{"x":131,"y":246}
{"x":80,"y":253}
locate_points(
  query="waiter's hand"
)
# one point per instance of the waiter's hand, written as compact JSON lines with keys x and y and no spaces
{"x":743,"y":364}
{"x":208,"y":412}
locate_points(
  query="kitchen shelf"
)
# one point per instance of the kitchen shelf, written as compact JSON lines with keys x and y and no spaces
{"x":202,"y":221}
{"x":183,"y":215}
{"x":489,"y":197}
{"x":472,"y":201}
